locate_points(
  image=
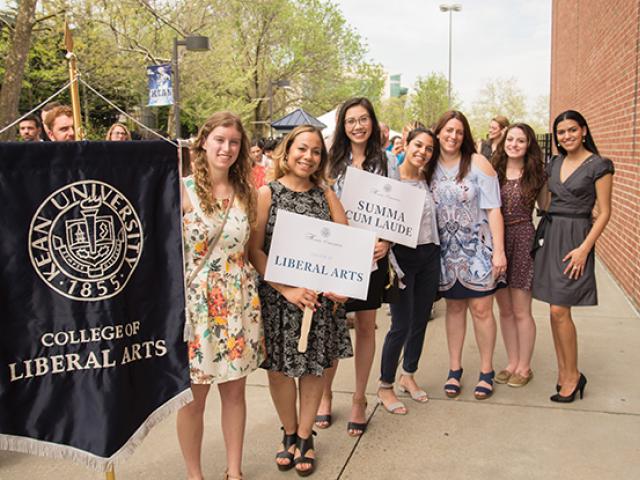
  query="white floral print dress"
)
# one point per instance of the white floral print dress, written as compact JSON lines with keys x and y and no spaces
{"x":223,"y":306}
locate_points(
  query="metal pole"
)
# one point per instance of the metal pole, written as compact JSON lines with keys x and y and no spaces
{"x":176,"y":89}
{"x":270,"y":108}
{"x":450,"y":38}
{"x":75,"y":92}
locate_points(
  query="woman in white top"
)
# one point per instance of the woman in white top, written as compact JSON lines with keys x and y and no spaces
{"x":418,"y":270}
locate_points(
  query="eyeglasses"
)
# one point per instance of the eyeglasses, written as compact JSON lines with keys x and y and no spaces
{"x":364,"y":121}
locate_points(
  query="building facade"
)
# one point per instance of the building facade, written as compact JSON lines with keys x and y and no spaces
{"x":595,"y":67}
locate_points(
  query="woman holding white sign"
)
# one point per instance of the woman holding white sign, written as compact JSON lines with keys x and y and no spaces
{"x":466,"y":191}
{"x":226,"y":342}
{"x":418,"y":269}
{"x":301,"y":187}
{"x":356,"y":143}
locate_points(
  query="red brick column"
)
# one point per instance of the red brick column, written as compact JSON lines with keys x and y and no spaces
{"x":595,"y":68}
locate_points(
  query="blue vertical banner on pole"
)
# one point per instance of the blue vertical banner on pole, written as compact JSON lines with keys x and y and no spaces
{"x":160,"y":85}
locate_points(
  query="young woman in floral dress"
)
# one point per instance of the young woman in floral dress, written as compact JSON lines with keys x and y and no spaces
{"x":226,"y":339}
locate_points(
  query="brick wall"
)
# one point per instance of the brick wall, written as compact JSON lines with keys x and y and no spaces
{"x":595,"y":67}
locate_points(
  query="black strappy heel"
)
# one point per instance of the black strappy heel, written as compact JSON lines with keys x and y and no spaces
{"x":288,"y":440}
{"x":304,"y":445}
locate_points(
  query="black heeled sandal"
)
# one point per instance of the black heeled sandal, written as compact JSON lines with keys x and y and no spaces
{"x":304,"y":445}
{"x":288,"y":440}
{"x":582,"y":382}
{"x":356,"y":427}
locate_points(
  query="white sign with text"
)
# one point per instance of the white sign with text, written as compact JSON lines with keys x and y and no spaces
{"x":320,"y":255}
{"x":388,"y":207}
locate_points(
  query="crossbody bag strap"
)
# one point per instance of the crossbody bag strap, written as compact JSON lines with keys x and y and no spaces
{"x":212,"y":243}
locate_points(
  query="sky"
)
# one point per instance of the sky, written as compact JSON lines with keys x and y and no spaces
{"x":491,"y":39}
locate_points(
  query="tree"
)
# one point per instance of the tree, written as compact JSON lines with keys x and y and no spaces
{"x":430,"y":98}
{"x":307,"y":42}
{"x":498,"y":97}
{"x":14,"y":65}
{"x":539,"y":116}
{"x":393,"y":111}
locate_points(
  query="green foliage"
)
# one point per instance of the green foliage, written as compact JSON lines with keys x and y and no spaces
{"x":426,"y":103}
{"x":538,"y":116}
{"x":498,"y":97}
{"x":253,"y":43}
{"x":430,"y":99}
{"x":393,"y":112}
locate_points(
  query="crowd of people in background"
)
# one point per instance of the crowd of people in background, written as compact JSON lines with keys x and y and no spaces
{"x":477,"y":241}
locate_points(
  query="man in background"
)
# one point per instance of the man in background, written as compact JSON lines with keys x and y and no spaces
{"x":43,"y":113}
{"x":29,"y":129}
{"x":59,"y":124}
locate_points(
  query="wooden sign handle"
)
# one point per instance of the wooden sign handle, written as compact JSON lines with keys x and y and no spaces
{"x":304,"y":329}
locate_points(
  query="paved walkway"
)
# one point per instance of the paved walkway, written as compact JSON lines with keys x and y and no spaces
{"x":516,"y":434}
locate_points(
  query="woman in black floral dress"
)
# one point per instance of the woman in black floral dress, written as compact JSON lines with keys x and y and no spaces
{"x":300,"y":187}
{"x":520,"y":167}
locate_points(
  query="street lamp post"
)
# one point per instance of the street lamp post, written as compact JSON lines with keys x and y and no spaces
{"x":453,"y":7}
{"x":193,"y":43}
{"x":277,"y":84}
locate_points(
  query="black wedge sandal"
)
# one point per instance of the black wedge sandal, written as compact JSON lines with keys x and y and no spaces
{"x":304,"y":445}
{"x":288,"y":440}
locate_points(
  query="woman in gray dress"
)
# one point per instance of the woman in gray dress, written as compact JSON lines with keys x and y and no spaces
{"x":564,"y":263}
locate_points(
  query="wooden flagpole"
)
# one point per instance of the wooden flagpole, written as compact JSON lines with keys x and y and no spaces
{"x":75,"y":91}
{"x":304,"y":329}
{"x":111,"y":474}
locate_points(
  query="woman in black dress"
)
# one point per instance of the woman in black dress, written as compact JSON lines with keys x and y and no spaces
{"x":300,"y":186}
{"x":564,"y":265}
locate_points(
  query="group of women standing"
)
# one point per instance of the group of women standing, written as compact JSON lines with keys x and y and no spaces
{"x":474,"y":241}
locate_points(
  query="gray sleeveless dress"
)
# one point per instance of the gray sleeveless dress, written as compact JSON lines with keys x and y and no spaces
{"x":570,"y":215}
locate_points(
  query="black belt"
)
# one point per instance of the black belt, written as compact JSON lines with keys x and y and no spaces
{"x":547,"y":218}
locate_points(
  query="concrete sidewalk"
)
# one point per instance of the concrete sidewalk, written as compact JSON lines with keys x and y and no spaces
{"x":516,"y":434}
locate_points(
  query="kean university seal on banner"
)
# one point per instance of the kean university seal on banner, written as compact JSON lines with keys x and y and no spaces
{"x":85,"y":241}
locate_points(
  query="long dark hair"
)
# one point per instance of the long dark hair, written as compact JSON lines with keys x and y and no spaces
{"x":341,"y":146}
{"x":589,"y":143}
{"x":532,"y":178}
{"x":436,"y":146}
{"x":467,"y":148}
